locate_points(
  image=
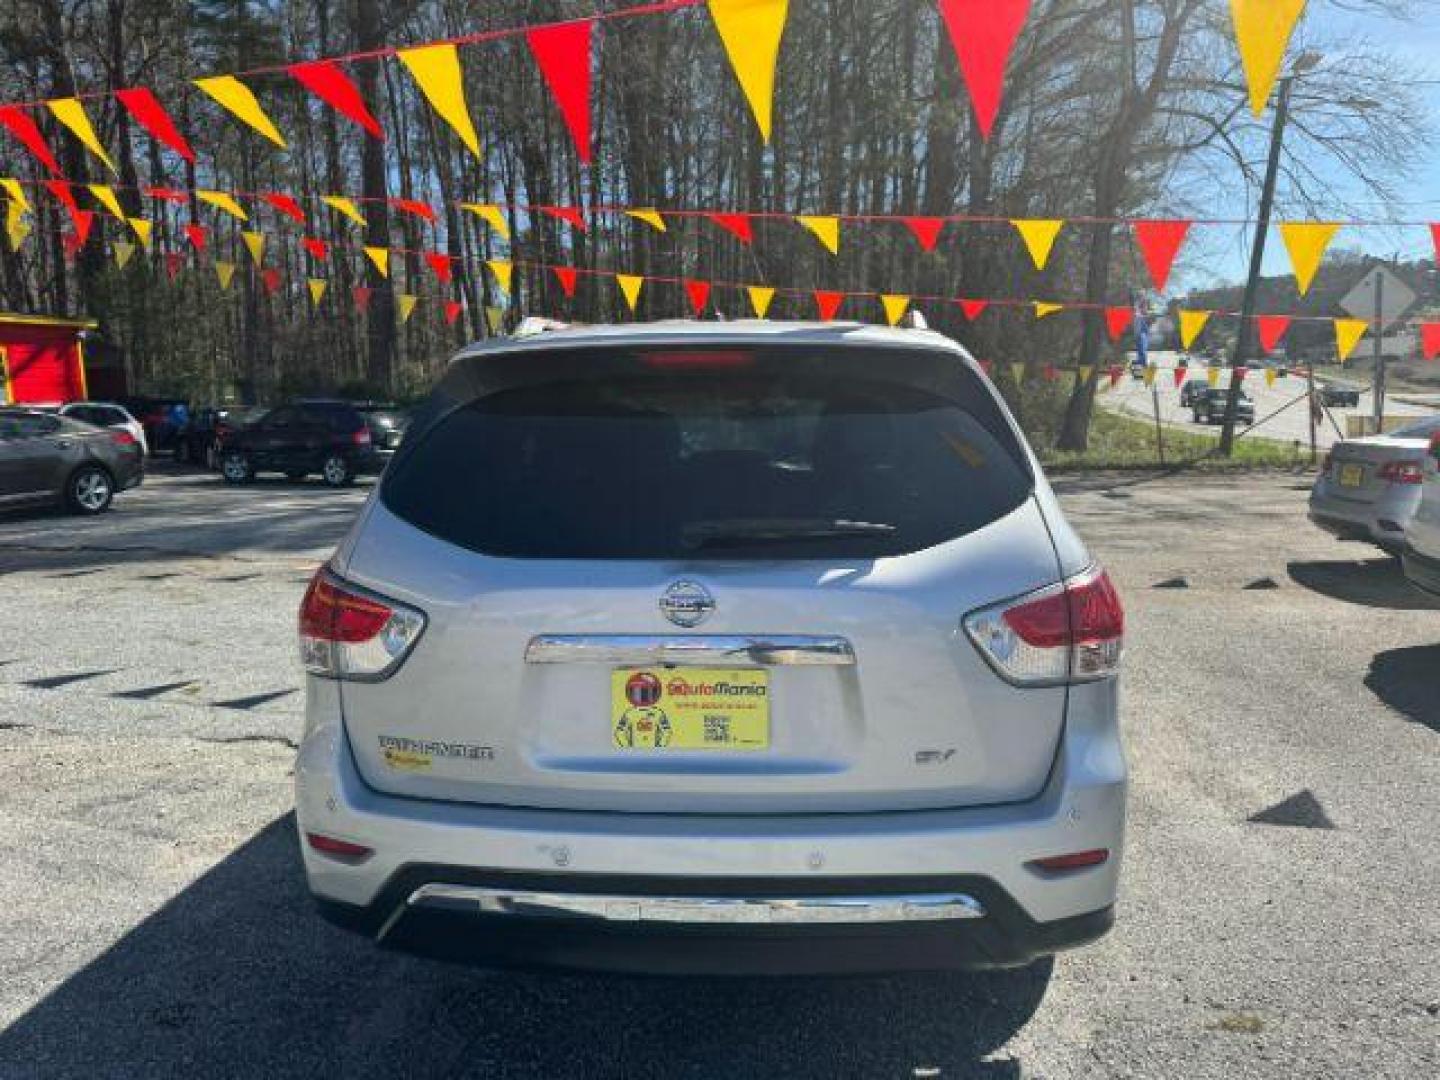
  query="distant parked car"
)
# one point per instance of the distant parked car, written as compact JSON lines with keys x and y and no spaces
{"x":1209,"y":406}
{"x":387,"y":425}
{"x":1192,"y":390}
{"x":1339,"y":397}
{"x":198,"y":441}
{"x":1369,"y":489}
{"x":331,"y":438}
{"x":106,"y":414}
{"x":1421,"y":554}
{"x":45,"y":457}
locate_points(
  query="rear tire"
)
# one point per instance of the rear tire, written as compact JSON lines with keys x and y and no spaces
{"x":336,"y":471}
{"x":236,"y":469}
{"x":90,"y":490}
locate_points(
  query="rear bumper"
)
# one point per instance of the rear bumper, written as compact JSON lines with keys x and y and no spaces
{"x":980,"y":852}
{"x":1422,"y":571}
{"x":1382,"y":522}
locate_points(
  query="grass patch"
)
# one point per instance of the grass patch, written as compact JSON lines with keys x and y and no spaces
{"x":1118,"y":441}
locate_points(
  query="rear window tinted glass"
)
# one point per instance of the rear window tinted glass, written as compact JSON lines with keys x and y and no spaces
{"x":713,"y":466}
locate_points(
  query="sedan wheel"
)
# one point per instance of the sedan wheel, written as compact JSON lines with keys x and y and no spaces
{"x":90,"y":490}
{"x":236,"y":469}
{"x":336,"y":471}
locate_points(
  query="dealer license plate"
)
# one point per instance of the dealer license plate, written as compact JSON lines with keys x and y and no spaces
{"x":683,"y":708}
{"x":1352,"y":475}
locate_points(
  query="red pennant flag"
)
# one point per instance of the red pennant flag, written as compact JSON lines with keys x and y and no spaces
{"x":926,"y":230}
{"x":1435,"y":235}
{"x":419,"y":209}
{"x":566,"y":275}
{"x":1430,"y":339}
{"x":1159,"y":244}
{"x":440,"y":264}
{"x":83,"y":219}
{"x":286,"y":205}
{"x":196,"y":235}
{"x":19,"y":124}
{"x":983,"y":32}
{"x":173,"y":262}
{"x":1240,"y":373}
{"x":331,"y":85}
{"x":1050,"y":373}
{"x":699,"y":293}
{"x":1118,"y":320}
{"x":568,"y":214}
{"x":973,"y":309}
{"x":563,"y":55}
{"x":271,"y":280}
{"x":1180,"y":373}
{"x":318,"y":249}
{"x":737,"y":225}
{"x":151,"y":115}
{"x":452,"y":311}
{"x":1271,"y":329}
{"x":168,"y":194}
{"x":362,"y":295}
{"x":1115,"y":372}
{"x":827,"y":304}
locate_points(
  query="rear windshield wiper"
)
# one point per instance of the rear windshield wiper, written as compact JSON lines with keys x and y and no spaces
{"x":727,"y":531}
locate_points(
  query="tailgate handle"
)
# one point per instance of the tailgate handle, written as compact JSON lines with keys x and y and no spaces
{"x":771,"y":650}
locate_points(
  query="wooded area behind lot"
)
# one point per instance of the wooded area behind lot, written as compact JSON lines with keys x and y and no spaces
{"x":1112,"y":109}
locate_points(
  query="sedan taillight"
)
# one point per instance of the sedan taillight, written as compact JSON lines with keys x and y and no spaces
{"x":1403,"y":472}
{"x":349,"y":633}
{"x":122,"y":438}
{"x":1072,"y":632}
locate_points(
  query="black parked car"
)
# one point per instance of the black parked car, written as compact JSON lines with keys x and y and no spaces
{"x":326,"y":437}
{"x":205,"y":432}
{"x":1342,"y":397}
{"x":1209,"y":407}
{"x":1191,"y":391}
{"x":387,"y":425}
{"x":48,"y":458}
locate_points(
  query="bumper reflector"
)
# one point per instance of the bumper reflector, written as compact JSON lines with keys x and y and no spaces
{"x":338,"y":849}
{"x":1076,"y":860}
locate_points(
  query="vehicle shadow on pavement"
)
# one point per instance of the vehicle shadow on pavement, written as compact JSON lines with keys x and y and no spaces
{"x":1405,"y":679}
{"x":1378,"y":583}
{"x":237,"y":976}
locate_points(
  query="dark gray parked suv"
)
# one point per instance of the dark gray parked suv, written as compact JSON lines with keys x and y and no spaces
{"x":49,"y":458}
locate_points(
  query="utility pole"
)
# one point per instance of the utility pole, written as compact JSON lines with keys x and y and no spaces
{"x":1304,"y":63}
{"x":1377,"y":328}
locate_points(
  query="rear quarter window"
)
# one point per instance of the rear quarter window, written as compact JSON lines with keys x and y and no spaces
{"x":745,"y":465}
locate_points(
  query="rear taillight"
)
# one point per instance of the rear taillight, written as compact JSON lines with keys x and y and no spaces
{"x":122,"y":438}
{"x":336,"y":848}
{"x":1072,"y":632}
{"x":1403,"y":472}
{"x":350,"y":633}
{"x":361,"y":437}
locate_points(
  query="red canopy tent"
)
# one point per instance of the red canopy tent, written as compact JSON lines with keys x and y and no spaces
{"x":42,"y":359}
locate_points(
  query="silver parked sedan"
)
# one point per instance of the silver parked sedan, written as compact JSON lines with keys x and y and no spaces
{"x":1369,"y":488}
{"x":49,"y":458}
{"x":714,"y":646}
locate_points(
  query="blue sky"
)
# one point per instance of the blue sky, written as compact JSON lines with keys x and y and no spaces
{"x":1415,"y":41}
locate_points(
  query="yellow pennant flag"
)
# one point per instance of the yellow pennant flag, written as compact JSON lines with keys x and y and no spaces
{"x":630,"y":285}
{"x":751,"y":31}
{"x":380,"y":259}
{"x":405,"y":305}
{"x":1039,"y":236}
{"x":222,"y":201}
{"x":760,"y":298}
{"x":317,"y":290}
{"x":142,"y":229}
{"x":1270,"y":376}
{"x":17,"y":229}
{"x":1084,"y":371}
{"x":1306,"y":242}
{"x":344,"y":206}
{"x":1017,"y":373}
{"x":1262,"y":30}
{"x":1348,"y":333}
{"x":105,"y":196}
{"x":504,"y":271}
{"x":825,"y":228}
{"x":1212,"y":376}
{"x":1150,"y":371}
{"x":436,"y":69}
{"x":123,"y":251}
{"x":491,"y":215}
{"x":236,"y":97}
{"x":72,"y":114}
{"x":495,"y":319}
{"x":1044,"y":308}
{"x":255,"y":244}
{"x":1191,"y":323}
{"x":16,"y":194}
{"x":225,"y":271}
{"x":649,"y":217}
{"x":895,"y":307}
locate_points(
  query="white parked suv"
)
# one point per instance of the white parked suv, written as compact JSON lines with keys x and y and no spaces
{"x":1421,"y":557}
{"x":694,"y":647}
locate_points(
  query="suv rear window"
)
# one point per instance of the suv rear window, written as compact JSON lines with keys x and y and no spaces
{"x":719,"y":465}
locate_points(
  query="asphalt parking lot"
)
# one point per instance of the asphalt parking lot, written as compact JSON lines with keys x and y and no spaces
{"x":1280,"y":910}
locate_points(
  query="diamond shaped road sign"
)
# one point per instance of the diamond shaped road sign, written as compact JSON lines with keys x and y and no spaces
{"x":1395,"y":298}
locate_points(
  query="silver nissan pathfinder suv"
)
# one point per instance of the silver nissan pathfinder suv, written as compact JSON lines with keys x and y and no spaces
{"x":714,"y":647}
